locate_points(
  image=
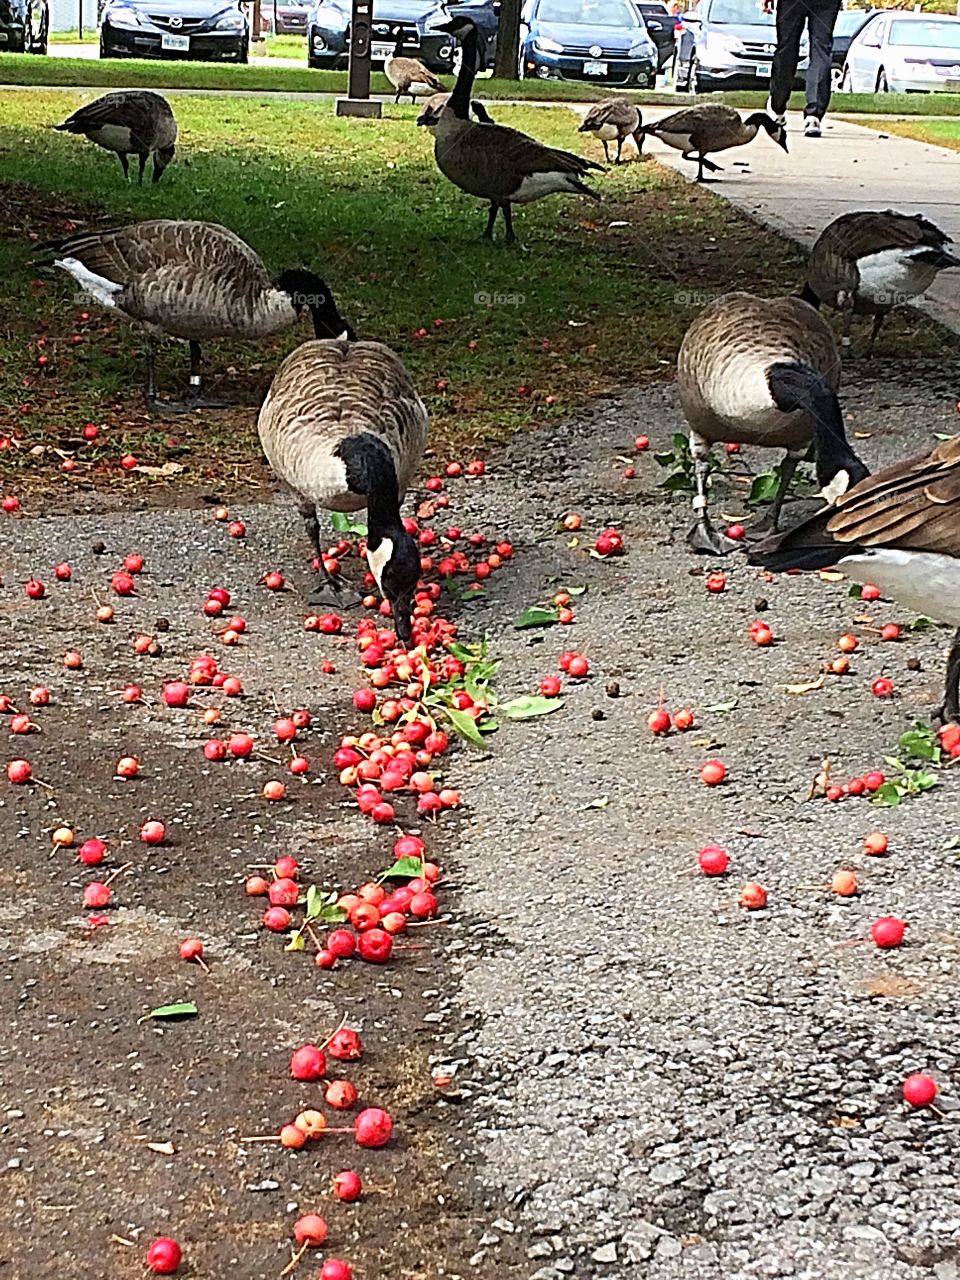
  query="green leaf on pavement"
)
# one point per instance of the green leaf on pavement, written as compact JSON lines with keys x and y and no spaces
{"x":403,"y":869}
{"x":536,"y":616}
{"x":722,"y":706}
{"x":465,"y":726}
{"x":888,"y":796}
{"x":185,"y":1009}
{"x":342,"y":523}
{"x":530,"y":705}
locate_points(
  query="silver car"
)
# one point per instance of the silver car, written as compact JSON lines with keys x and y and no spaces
{"x":904,"y":53}
{"x":729,"y":44}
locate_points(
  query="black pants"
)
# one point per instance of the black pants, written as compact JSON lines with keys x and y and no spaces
{"x":792,"y":17}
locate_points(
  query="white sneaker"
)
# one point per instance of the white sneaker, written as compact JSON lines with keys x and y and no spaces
{"x":811,"y":127}
{"x":779,"y":116}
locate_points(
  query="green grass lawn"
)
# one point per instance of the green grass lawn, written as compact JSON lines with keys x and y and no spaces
{"x":24,"y":69}
{"x":600,"y":298}
{"x":943,"y":133}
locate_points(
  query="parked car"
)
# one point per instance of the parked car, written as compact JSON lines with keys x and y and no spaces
{"x":24,"y":26}
{"x":729,"y":44}
{"x":328,"y":32}
{"x":284,"y":19}
{"x":904,"y":53}
{"x":201,"y":30}
{"x":603,"y":41}
{"x":849,"y":22}
{"x":661,"y":27}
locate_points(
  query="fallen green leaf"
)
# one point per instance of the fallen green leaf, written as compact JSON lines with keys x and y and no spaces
{"x":342,"y":523}
{"x":530,"y":705}
{"x":722,"y":706}
{"x":296,"y":942}
{"x":536,"y":616}
{"x":185,"y":1009}
{"x":464,"y":726}
{"x":403,"y":869}
{"x":921,"y":623}
{"x":600,"y":802}
{"x":887,"y":796}
{"x":765,"y":486}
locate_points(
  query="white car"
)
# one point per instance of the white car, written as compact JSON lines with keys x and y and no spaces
{"x":904,"y":53}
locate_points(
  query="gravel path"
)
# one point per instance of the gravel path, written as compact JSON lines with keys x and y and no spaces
{"x":668,"y":1085}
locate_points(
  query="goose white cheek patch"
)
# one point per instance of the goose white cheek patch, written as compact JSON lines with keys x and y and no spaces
{"x":379,"y":559}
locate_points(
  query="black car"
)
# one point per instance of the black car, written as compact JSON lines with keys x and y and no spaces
{"x":24,"y":25}
{"x":849,"y":23}
{"x":201,"y":30}
{"x":662,"y":27}
{"x":600,"y":41}
{"x":413,"y":21}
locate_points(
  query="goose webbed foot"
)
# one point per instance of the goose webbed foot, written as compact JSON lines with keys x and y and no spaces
{"x":195,"y":399}
{"x":704,"y":538}
{"x":327,"y":594}
{"x":169,"y":408}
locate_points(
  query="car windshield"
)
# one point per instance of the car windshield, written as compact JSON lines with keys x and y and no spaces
{"x":849,"y":22}
{"x":926,"y":32}
{"x":740,"y":13}
{"x":589,"y":13}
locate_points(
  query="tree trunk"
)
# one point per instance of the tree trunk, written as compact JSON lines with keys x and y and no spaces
{"x":508,"y":41}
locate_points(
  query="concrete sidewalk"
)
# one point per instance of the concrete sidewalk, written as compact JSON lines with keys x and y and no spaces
{"x":850,"y":167}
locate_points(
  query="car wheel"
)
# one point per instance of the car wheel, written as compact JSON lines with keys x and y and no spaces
{"x":244,"y":56}
{"x":882,"y":86}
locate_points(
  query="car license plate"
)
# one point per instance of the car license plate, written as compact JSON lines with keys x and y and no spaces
{"x":594,"y":68}
{"x":763,"y":69}
{"x":180,"y":44}
{"x":381,"y":51}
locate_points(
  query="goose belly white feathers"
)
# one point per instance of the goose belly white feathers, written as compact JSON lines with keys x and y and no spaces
{"x":326,"y":391}
{"x":892,"y":276}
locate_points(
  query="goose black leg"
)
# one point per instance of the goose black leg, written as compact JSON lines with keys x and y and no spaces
{"x":847,"y":321}
{"x":948,"y":711}
{"x":195,"y":399}
{"x":328,"y":590}
{"x":143,"y":162}
{"x":704,"y":163}
{"x":508,"y":219}
{"x":124,"y":165}
{"x":878,"y":320}
{"x":619,"y":148}
{"x":491,"y":219}
{"x":397,"y":98}
{"x":702,"y":535}
{"x":606,"y":150}
{"x":787,"y":469}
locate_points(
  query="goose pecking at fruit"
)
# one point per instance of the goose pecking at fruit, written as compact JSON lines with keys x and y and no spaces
{"x":194,"y":281}
{"x":343,"y":426}
{"x":757,"y":371}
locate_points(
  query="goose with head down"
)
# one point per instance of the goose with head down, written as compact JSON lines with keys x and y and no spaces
{"x":498,"y":164}
{"x":194,"y":281}
{"x":344,"y":427}
{"x":760,"y":371}
{"x":698,"y":132}
{"x":409,"y":75}
{"x":900,"y":529}
{"x":614,"y":120}
{"x":133,"y":122}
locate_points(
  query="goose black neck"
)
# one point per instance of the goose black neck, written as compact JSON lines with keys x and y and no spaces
{"x":460,"y":98}
{"x":807,"y":295}
{"x":795,"y":385}
{"x":371,"y":471}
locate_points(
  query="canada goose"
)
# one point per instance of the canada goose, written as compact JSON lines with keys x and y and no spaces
{"x":615,"y":118}
{"x":865,"y":263}
{"x":409,"y":75}
{"x":133,"y":122}
{"x":699,"y":131}
{"x":757,"y":371}
{"x":498,"y":164}
{"x":194,"y":281}
{"x":430,"y":112}
{"x":899,"y":529}
{"x":343,"y":425}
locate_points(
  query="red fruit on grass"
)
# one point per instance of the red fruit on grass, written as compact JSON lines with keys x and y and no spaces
{"x":35,"y":589}
{"x":164,"y":1256}
{"x":919,"y":1089}
{"x":876,"y":843}
{"x":128,"y":462}
{"x":753,"y":896}
{"x":373,"y":1127}
{"x":96,"y":894}
{"x":153,"y":832}
{"x":92,"y":852}
{"x":713,"y":772}
{"x":345,"y":1045}
{"x":19,"y":771}
{"x":276,"y":919}
{"x":869,"y":592}
{"x":888,"y":931}
{"x":123,"y":584}
{"x":175,"y":693}
{"x":309,"y":1062}
{"x":191,"y":949}
{"x":310,"y":1230}
{"x":341,"y":1095}
{"x":374,"y":945}
{"x":713,"y":860}
{"x":347,"y":1186}
{"x":550,"y":686}
{"x":342,"y":943}
{"x":716,"y":582}
{"x":335,"y":1269}
{"x":882,"y":687}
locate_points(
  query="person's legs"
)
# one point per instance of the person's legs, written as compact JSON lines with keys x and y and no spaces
{"x":821,"y":24}
{"x":791,"y":15}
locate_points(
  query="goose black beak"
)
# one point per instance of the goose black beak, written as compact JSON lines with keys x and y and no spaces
{"x":782,"y":140}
